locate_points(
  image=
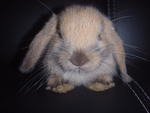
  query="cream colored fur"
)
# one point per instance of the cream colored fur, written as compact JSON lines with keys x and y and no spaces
{"x":78,"y":31}
{"x":38,"y":44}
{"x":80,"y":28}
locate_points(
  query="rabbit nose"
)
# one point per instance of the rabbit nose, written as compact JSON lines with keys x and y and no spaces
{"x":79,"y":58}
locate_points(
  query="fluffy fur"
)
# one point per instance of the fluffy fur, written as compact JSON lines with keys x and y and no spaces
{"x":79,"y":28}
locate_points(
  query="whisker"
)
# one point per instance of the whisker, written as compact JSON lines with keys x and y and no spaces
{"x":38,"y":69}
{"x":34,"y":84}
{"x":138,"y":57}
{"x":31,"y":79}
{"x":120,"y":18}
{"x":136,"y":49}
{"x":131,"y":64}
{"x":136,"y":95}
{"x":41,"y":84}
{"x":43,"y":4}
{"x":132,"y":46}
{"x":129,"y":54}
{"x":146,"y":95}
{"x":141,"y":102}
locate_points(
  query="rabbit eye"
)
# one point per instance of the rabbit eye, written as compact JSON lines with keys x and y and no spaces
{"x":60,"y":36}
{"x":99,"y":37}
{"x":97,"y":49}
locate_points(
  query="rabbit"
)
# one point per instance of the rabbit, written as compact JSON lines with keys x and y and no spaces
{"x":83,"y":48}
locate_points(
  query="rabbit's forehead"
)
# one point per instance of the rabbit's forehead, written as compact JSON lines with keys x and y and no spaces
{"x":81,"y":28}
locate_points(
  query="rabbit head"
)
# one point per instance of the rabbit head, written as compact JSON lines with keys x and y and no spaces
{"x":80,"y":31}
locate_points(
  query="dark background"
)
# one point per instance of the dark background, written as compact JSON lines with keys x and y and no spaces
{"x":22,"y":19}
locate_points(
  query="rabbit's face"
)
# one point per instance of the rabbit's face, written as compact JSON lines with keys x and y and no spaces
{"x":83,"y":59}
{"x":81,"y":46}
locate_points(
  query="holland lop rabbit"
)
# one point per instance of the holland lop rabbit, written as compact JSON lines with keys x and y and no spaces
{"x":83,"y":48}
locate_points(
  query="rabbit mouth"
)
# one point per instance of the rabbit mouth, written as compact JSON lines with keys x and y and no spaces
{"x":76,"y":70}
{"x":81,"y":70}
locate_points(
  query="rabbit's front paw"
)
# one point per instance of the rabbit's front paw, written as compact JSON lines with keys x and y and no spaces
{"x":102,"y":83}
{"x":63,"y":88}
{"x":57,"y":84}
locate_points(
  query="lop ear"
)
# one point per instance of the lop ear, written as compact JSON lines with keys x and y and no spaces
{"x":38,"y":45}
{"x":117,"y":48}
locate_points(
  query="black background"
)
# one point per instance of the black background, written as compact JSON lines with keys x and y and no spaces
{"x":21,"y":20}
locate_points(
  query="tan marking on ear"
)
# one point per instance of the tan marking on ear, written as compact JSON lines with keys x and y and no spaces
{"x":38,"y":44}
{"x":111,"y":35}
